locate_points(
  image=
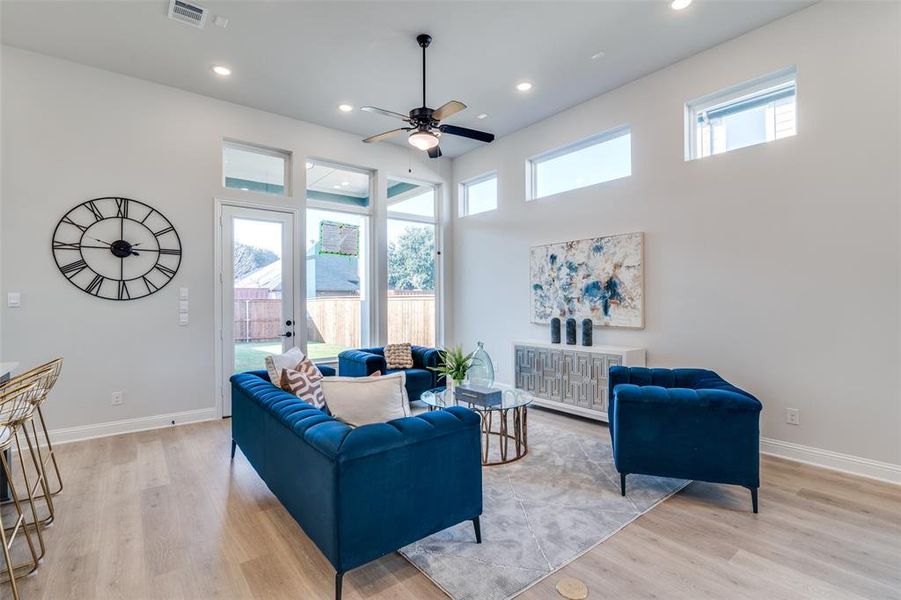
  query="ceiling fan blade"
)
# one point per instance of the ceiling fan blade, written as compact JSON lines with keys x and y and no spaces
{"x":434,"y":152}
{"x":451,"y":108}
{"x":386,"y":135}
{"x":386,"y":113}
{"x":467,"y":133}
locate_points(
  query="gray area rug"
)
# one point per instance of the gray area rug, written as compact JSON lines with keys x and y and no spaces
{"x":540,"y":513}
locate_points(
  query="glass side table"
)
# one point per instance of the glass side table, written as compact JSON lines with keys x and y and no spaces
{"x":512,"y":443}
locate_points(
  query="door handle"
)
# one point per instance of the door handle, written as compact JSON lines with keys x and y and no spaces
{"x":287,"y":334}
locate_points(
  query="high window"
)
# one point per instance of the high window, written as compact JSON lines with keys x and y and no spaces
{"x":412,"y":263}
{"x":755,"y":112}
{"x":600,"y":158}
{"x":337,"y":259}
{"x":255,"y":169}
{"x":478,"y":195}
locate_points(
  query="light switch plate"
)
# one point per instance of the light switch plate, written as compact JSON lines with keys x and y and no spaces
{"x":183,"y":306}
{"x":183,"y":319}
{"x":183,"y":293}
{"x":14,"y":299}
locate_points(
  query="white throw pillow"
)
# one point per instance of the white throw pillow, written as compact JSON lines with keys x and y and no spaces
{"x":362,"y":400}
{"x":276,"y":362}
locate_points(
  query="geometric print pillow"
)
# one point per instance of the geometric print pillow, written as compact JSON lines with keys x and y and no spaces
{"x":304,"y":382}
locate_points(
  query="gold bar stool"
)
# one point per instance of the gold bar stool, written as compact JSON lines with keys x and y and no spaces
{"x":17,"y":403}
{"x":42,"y":379}
{"x":46,"y":375}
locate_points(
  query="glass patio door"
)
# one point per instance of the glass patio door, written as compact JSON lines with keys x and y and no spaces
{"x":257,"y":289}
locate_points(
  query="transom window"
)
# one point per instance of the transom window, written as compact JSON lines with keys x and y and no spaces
{"x":755,"y":112}
{"x":478,"y":195}
{"x":255,"y":169}
{"x":594,"y":160}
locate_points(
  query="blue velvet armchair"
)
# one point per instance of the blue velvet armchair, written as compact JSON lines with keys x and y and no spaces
{"x":366,"y":361}
{"x":686,"y":424}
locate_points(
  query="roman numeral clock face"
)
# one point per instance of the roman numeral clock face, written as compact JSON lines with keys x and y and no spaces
{"x":116,"y":248}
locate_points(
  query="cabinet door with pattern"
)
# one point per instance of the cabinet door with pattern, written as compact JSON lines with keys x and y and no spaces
{"x":576,"y":379}
{"x":599,"y":382}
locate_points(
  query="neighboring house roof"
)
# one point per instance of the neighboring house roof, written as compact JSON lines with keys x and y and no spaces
{"x":268,"y":277}
{"x":333,"y":274}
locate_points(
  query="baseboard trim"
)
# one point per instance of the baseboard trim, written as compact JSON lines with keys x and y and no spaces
{"x":835,"y":461}
{"x":87,"y":432}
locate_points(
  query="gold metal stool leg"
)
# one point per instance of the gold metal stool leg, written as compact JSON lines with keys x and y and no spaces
{"x":50,"y":454}
{"x":30,"y":491}
{"x":20,"y":525}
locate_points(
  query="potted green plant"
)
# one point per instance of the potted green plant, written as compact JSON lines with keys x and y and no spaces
{"x":453,"y":365}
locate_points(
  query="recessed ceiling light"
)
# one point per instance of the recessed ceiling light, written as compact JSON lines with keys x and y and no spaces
{"x":679,"y":4}
{"x":345,"y":183}
{"x":309,"y":165}
{"x":598,"y":55}
{"x":482,"y":116}
{"x":337,"y":187}
{"x":524,"y":86}
{"x":221,"y":70}
{"x":345,"y":107}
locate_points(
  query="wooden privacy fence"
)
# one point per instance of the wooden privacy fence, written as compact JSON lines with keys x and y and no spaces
{"x":411,"y":318}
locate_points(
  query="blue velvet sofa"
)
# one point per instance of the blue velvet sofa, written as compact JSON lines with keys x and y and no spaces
{"x":686,"y":424}
{"x":366,"y":361}
{"x":359,"y":493}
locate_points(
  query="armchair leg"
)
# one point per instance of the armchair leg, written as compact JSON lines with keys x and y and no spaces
{"x":754,"y":499}
{"x":478,"y":527}
{"x":622,"y":483}
{"x":339,"y":579}
{"x":234,"y":445}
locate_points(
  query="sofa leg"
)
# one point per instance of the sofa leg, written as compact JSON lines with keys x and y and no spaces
{"x":478,"y":527}
{"x":622,"y":483}
{"x":234,"y":445}
{"x":754,"y":499}
{"x":339,"y":579}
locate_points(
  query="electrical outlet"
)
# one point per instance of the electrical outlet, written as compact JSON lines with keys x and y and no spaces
{"x":118,"y":398}
{"x":792,"y":416}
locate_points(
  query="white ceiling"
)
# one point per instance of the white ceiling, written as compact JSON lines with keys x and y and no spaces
{"x":302,"y":59}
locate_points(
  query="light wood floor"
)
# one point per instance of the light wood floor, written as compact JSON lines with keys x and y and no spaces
{"x":163,"y":514}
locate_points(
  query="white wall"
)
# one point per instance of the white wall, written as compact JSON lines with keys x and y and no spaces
{"x":72,"y":133}
{"x":776,"y":265}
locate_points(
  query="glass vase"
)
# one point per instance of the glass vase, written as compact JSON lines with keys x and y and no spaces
{"x":482,"y":370}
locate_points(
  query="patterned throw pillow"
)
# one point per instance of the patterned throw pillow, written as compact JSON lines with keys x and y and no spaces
{"x":275,"y":363}
{"x":304,"y":382}
{"x":399,"y":356}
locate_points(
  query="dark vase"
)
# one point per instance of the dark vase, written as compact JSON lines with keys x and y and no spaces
{"x":587,"y":330}
{"x":571,"y":331}
{"x":555,"y":330}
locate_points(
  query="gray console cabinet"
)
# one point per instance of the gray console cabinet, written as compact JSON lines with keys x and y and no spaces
{"x":570,"y":378}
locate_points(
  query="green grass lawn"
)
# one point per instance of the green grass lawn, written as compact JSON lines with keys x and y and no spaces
{"x":251,"y":355}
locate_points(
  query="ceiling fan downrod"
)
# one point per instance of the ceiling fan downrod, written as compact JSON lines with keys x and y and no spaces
{"x":424,"y":40}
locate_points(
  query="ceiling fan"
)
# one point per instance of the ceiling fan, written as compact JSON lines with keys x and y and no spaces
{"x":425,"y":122}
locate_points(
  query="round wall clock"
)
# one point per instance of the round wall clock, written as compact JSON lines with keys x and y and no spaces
{"x":116,"y":248}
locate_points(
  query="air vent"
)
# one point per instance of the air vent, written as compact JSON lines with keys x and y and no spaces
{"x":186,"y":12}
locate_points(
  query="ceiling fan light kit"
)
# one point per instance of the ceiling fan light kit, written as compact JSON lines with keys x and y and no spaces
{"x":424,"y":140}
{"x":425,"y":122}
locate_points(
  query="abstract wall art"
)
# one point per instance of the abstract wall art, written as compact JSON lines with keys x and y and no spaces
{"x":601,"y":279}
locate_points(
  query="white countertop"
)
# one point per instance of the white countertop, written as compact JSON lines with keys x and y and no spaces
{"x":599,"y":349}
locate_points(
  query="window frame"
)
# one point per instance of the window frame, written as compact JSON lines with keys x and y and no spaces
{"x":464,"y":193}
{"x":734,"y":94}
{"x":286,"y":155}
{"x":437,"y":223}
{"x":533,"y":162}
{"x":368,"y":283}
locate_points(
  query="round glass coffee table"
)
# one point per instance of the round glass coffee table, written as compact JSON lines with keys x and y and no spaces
{"x":512,"y":443}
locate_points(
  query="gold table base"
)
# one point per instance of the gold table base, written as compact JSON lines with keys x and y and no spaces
{"x":519,"y":435}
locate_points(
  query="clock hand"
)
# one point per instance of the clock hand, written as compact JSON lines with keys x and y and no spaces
{"x":101,"y":241}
